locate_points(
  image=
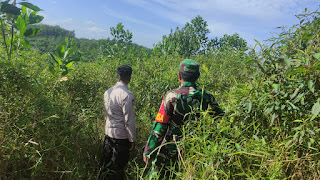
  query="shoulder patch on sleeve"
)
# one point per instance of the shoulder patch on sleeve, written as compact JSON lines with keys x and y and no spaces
{"x":162,"y":116}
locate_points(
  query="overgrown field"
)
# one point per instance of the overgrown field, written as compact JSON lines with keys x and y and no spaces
{"x":52,"y":125}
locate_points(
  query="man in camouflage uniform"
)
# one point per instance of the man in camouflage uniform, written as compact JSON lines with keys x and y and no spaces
{"x":174,"y":110}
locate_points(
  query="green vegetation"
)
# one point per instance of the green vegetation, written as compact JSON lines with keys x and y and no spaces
{"x":192,"y":40}
{"x":92,"y":50}
{"x":51,"y":116}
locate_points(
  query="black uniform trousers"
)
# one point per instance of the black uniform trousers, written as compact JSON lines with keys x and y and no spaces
{"x":115,"y":157}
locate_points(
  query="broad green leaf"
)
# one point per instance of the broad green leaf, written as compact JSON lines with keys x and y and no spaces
{"x":32,"y":32}
{"x":301,"y":137}
{"x":10,"y":9}
{"x":295,"y":93}
{"x":272,"y":118}
{"x":311,"y":86}
{"x":299,"y":98}
{"x":51,"y":69}
{"x":66,"y":54}
{"x":312,"y":140}
{"x":298,"y":128}
{"x":276,"y":87}
{"x":287,"y":61}
{"x":297,"y":120}
{"x":61,"y":51}
{"x":269,"y":110}
{"x":298,"y":70}
{"x":34,"y":18}
{"x":56,"y":59}
{"x":308,"y":37}
{"x":23,"y":10}
{"x":263,"y":141}
{"x":59,"y":61}
{"x":69,"y":64}
{"x":30,"y":6}
{"x":316,"y":55}
{"x":293,"y":106}
{"x":21,"y":25}
{"x":205,"y":68}
{"x":315,"y":109}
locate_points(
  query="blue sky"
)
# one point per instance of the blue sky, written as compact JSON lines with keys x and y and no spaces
{"x":149,"y":20}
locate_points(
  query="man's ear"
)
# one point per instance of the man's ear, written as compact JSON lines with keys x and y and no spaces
{"x":179,"y":75}
{"x":118,"y":77}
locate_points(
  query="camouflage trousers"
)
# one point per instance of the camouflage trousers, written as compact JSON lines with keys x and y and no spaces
{"x":115,"y":157}
{"x":164,"y":165}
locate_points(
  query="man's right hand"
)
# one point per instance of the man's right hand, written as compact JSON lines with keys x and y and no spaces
{"x":132,"y":146}
{"x":145,"y":159}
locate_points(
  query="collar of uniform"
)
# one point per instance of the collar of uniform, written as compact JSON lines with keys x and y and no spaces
{"x":121,"y":84}
{"x":188,"y":84}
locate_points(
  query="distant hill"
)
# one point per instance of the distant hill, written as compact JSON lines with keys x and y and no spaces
{"x":51,"y":36}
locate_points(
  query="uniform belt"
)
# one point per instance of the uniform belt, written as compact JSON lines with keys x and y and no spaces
{"x":117,"y":140}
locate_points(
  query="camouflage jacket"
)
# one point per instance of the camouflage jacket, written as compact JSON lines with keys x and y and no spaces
{"x":174,"y":110}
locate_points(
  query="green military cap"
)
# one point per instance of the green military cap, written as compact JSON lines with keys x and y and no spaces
{"x":189,"y":65}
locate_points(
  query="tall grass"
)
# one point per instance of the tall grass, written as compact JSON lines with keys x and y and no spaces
{"x":52,"y":128}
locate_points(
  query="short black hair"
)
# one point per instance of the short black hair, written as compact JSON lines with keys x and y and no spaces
{"x":124,"y":72}
{"x":189,"y":76}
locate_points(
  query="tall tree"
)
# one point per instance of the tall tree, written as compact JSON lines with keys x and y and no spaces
{"x":14,"y":22}
{"x":120,"y":35}
{"x":188,"y":41}
{"x":228,"y":41}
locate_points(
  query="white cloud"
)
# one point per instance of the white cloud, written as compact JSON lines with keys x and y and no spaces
{"x":83,"y":29}
{"x":252,"y":8}
{"x":52,"y":21}
{"x":146,"y":39}
{"x":265,"y":11}
{"x":166,"y":9}
{"x":251,"y":19}
{"x":53,"y":1}
{"x":219,"y":29}
{"x":97,"y":30}
{"x":90,"y":23}
{"x":130,"y":19}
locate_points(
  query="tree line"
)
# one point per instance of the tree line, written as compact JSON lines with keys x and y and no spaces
{"x":190,"y":40}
